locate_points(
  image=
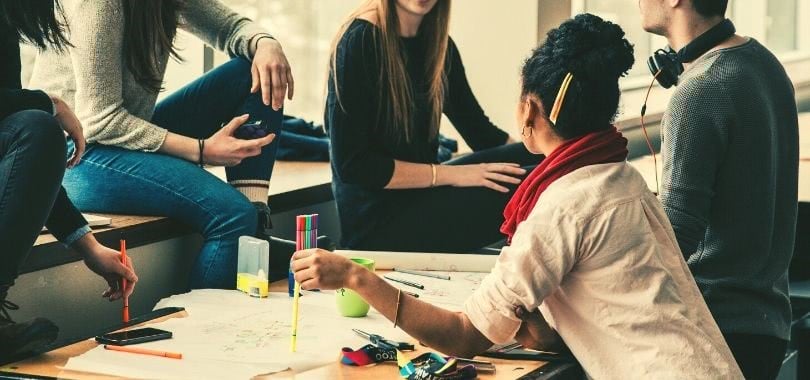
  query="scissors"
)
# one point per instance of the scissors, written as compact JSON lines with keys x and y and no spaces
{"x":380,"y":341}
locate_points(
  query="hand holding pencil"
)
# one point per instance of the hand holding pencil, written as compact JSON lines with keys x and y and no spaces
{"x":106,"y":263}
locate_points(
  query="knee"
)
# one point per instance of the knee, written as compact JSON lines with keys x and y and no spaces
{"x":40,"y":131}
{"x":238,"y":69}
{"x":234,"y":219}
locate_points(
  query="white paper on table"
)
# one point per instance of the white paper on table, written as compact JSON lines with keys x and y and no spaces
{"x":449,"y":294}
{"x":122,"y":364}
{"x":228,"y":334}
{"x":231,"y":329}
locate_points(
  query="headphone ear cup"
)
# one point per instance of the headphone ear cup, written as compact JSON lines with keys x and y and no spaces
{"x":668,"y":64}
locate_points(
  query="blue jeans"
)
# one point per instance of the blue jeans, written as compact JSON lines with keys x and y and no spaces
{"x":115,"y":180}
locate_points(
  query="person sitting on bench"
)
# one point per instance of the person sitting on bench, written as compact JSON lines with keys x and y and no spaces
{"x":32,"y":163}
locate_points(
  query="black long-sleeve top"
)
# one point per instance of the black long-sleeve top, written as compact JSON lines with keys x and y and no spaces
{"x":363,"y":153}
{"x":64,"y":218}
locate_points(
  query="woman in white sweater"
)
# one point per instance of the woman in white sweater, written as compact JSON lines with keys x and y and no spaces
{"x":591,"y":250}
{"x":147,"y":158}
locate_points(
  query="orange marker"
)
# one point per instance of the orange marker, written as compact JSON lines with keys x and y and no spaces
{"x":124,"y":281}
{"x":144,"y":351}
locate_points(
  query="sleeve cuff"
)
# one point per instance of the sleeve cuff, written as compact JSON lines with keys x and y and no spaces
{"x":76,"y":235}
{"x":255,"y":40}
{"x":494,"y":321}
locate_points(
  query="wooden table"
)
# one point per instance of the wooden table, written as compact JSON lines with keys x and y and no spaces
{"x":49,"y":364}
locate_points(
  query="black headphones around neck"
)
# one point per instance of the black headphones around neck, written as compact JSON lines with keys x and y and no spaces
{"x":670,"y":63}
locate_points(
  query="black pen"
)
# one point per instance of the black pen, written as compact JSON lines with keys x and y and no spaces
{"x":405,"y":282}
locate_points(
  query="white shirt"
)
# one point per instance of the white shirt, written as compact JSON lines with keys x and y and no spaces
{"x":598,"y":257}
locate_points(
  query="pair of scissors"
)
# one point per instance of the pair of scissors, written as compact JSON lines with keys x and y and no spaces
{"x":382,"y":342}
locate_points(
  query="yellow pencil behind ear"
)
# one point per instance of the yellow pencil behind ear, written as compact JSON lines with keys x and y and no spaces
{"x":558,"y":102}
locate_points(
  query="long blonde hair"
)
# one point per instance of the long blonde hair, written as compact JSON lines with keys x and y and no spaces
{"x":393,"y":76}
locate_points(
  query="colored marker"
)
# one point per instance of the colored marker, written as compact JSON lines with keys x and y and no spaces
{"x":425,"y":274}
{"x":125,"y":310}
{"x":405,"y":282}
{"x":144,"y":351}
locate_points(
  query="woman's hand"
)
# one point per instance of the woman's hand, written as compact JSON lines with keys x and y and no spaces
{"x":222,"y":149}
{"x":271,"y":73}
{"x":71,"y":124}
{"x":106,"y":263}
{"x":321,"y":269}
{"x":480,"y":175}
{"x":536,"y":334}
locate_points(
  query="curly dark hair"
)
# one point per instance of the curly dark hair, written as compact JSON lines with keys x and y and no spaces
{"x":596,"y":53}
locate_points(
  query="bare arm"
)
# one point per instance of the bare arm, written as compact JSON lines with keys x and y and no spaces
{"x":448,"y":332}
{"x":409,"y":175}
{"x":220,"y":149}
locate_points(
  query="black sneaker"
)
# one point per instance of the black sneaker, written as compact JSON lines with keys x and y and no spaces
{"x":26,"y":337}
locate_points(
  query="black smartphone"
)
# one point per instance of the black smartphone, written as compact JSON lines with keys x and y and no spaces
{"x":135,"y":336}
{"x":251,"y":130}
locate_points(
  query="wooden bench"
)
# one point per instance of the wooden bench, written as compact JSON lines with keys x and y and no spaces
{"x":294,"y":185}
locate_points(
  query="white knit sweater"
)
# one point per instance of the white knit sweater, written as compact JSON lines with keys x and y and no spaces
{"x":93,"y":79}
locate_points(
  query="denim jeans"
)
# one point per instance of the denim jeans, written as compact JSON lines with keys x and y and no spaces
{"x":115,"y":180}
{"x":32,"y":162}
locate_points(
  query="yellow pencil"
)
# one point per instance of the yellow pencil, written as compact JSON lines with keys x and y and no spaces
{"x":295,"y":316}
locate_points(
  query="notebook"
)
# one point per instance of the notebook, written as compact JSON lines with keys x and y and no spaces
{"x":93,"y":221}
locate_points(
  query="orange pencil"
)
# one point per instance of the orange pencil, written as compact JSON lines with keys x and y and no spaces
{"x":144,"y":351}
{"x":124,"y":281}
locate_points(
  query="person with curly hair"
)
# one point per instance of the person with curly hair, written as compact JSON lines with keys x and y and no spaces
{"x":593,"y":263}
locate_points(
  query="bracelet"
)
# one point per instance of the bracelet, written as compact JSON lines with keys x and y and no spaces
{"x":433,"y":181}
{"x":396,"y":313}
{"x":257,"y":38}
{"x":201,"y":143}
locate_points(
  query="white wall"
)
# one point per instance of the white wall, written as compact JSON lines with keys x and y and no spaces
{"x":494,"y":37}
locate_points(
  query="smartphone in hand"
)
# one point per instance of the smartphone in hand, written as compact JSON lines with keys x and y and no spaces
{"x":251,"y":130}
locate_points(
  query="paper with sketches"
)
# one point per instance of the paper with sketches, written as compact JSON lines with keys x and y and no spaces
{"x":449,"y":294}
{"x":252,"y":334}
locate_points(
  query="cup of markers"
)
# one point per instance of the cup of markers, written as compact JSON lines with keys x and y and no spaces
{"x":306,"y":237}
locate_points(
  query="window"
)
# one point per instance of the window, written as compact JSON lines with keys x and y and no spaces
{"x":779,"y":30}
{"x":306,"y":30}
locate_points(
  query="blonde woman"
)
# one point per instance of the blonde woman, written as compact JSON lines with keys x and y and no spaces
{"x":394,"y":72}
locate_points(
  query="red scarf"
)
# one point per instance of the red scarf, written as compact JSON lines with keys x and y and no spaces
{"x":591,"y":149}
